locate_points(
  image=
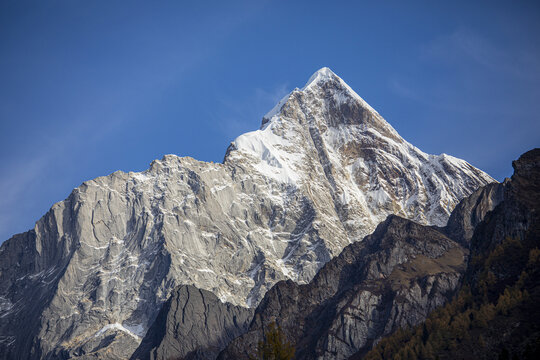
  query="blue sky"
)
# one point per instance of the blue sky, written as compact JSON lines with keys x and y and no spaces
{"x":91,"y":87}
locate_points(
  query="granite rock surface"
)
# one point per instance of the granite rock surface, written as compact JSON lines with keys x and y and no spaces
{"x":320,"y":174}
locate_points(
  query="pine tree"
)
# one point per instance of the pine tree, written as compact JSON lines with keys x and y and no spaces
{"x":275,"y":346}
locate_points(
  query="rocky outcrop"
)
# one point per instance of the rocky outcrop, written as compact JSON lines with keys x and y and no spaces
{"x":517,"y":217}
{"x":193,"y":324}
{"x":496,"y":314}
{"x":472,"y":210}
{"x":380,"y":284}
{"x":503,"y":247}
{"x":391,"y":279}
{"x":321,"y":173}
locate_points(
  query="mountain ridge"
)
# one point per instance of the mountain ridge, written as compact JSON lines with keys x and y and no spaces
{"x":101,"y":263}
{"x":393,"y":280}
{"x":495,"y":314}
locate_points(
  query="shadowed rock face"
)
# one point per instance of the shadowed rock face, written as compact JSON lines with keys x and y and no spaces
{"x":504,"y":272}
{"x":391,"y":279}
{"x":322,"y":172}
{"x":518,"y":214}
{"x":472,"y":210}
{"x":193,"y":324}
{"x":515,"y":220}
{"x":400,"y":273}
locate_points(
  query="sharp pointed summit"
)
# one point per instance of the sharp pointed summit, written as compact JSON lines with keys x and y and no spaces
{"x":324,"y":80}
{"x":322,"y":75}
{"x":321,"y":173}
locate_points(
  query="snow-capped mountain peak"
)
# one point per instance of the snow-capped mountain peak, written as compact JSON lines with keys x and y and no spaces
{"x":320,"y":76}
{"x":326,"y":129}
{"x":322,"y":171}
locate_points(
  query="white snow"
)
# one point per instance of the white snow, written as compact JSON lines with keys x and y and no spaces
{"x":7,"y":340}
{"x":303,"y":152}
{"x":274,"y":152}
{"x":137,"y":329}
{"x":116,"y":326}
{"x":276,"y":109}
{"x":5,"y":307}
{"x":323,"y":74}
{"x":378,"y":196}
{"x":285,"y":270}
{"x":206,"y":270}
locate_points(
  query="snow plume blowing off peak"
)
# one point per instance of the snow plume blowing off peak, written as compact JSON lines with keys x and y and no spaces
{"x":322,"y":171}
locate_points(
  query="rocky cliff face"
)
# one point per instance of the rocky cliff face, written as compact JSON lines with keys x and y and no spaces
{"x":472,"y":210}
{"x":322,"y":171}
{"x":395,"y":277}
{"x":519,"y":215}
{"x":496,"y":313}
{"x":391,"y":279}
{"x":193,"y":324}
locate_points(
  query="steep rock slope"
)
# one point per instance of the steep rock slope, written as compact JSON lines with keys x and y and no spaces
{"x":496,"y":314}
{"x":472,"y":210}
{"x":391,"y":279}
{"x":353,"y":327}
{"x":193,"y":324}
{"x":322,"y":171}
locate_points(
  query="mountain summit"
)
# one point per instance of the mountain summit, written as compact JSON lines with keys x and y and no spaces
{"x":326,"y":130}
{"x":322,"y":171}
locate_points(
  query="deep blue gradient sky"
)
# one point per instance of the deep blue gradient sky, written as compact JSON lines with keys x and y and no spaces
{"x":91,"y":87}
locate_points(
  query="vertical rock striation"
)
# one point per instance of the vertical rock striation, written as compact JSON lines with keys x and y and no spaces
{"x":193,"y":324}
{"x":393,"y":278}
{"x":396,"y":276}
{"x":321,"y":173}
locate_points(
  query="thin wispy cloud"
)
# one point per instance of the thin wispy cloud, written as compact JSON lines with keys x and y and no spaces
{"x":404,"y":91}
{"x":467,"y":45}
{"x":436,"y":99}
{"x":470,"y":59}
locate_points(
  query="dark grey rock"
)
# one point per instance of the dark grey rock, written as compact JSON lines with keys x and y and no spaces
{"x":472,"y":210}
{"x":501,"y":246}
{"x":518,"y":213}
{"x":391,"y":279}
{"x":395,"y":277}
{"x":193,"y":324}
